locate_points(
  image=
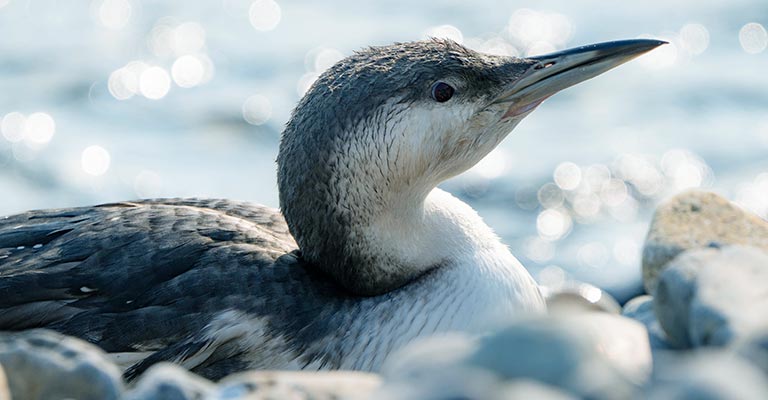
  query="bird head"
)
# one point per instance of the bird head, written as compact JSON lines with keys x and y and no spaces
{"x":384,"y":126}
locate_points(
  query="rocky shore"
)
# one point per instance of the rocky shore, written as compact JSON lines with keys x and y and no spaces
{"x":700,"y":331}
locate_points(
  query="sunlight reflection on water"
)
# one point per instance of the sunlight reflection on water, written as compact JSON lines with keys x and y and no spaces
{"x":571,"y":191}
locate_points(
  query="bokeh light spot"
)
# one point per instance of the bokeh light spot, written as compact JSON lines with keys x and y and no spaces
{"x":539,"y":32}
{"x":187,"y":71}
{"x":567,"y":175}
{"x":551,"y":276}
{"x":498,"y":46}
{"x":694,"y":38}
{"x":661,"y":57}
{"x":305,"y":82}
{"x":325,"y":58}
{"x":114,"y":14}
{"x":445,"y":32}
{"x":12,"y":126}
{"x":123,"y":83}
{"x":539,"y":48}
{"x":538,"y":249}
{"x":527,"y":198}
{"x":596,"y":175}
{"x":39,"y":128}
{"x":264,"y":15}
{"x":613,"y":192}
{"x":492,"y":165}
{"x":587,"y":205}
{"x":257,"y":109}
{"x":550,"y":195}
{"x":753,"y":38}
{"x":161,"y":38}
{"x":684,"y":169}
{"x":752,"y":195}
{"x":154,"y":83}
{"x":553,"y":224}
{"x":188,"y":38}
{"x":95,"y":160}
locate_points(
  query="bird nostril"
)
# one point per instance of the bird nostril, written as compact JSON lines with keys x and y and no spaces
{"x":542,"y":66}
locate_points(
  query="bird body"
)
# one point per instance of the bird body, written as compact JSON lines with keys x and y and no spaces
{"x":365,"y":256}
{"x":214,"y":285}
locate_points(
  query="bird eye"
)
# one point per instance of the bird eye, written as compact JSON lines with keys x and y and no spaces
{"x":442,"y":92}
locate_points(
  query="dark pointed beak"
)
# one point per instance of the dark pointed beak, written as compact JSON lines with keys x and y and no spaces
{"x":554,"y":72}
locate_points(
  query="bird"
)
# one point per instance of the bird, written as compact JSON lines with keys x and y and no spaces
{"x":364,"y":256}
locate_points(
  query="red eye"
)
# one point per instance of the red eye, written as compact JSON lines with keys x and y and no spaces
{"x":442,"y":92}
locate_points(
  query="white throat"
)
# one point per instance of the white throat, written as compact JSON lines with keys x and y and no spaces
{"x":477,"y":287}
{"x":440,"y":230}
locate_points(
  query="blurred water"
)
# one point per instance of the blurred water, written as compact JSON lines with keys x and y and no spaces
{"x":116,"y":99}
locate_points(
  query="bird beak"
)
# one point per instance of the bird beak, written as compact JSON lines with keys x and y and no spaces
{"x":554,"y":72}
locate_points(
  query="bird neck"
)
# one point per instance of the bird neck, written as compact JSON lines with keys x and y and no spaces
{"x":372,"y":235}
{"x":414,"y":234}
{"x":369,"y":216}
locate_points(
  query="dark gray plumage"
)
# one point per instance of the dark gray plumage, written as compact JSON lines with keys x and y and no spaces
{"x":149,"y":275}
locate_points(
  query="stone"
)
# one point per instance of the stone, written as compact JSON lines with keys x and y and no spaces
{"x":423,"y":356}
{"x":456,"y":381}
{"x":641,"y":309}
{"x":437,"y":368}
{"x":710,"y":297}
{"x":705,"y":374}
{"x":466,"y":382}
{"x":527,"y":389}
{"x":298,"y":385}
{"x":622,"y":342}
{"x":579,"y":296}
{"x":754,"y":348}
{"x":595,"y":354}
{"x":166,"y":381}
{"x":42,"y":364}
{"x":434,"y":368}
{"x":590,"y":354}
{"x":5,"y":393}
{"x":697,"y":219}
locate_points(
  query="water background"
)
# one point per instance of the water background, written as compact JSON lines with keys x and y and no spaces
{"x":113,"y":100}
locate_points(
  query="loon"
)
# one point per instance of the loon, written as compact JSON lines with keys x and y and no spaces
{"x":366,"y":256}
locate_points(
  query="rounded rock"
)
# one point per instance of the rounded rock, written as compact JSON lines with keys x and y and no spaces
{"x":755,"y":349}
{"x":166,"y":381}
{"x":456,"y":381}
{"x":526,"y":389}
{"x":711,"y":375}
{"x":299,"y":385}
{"x":641,"y":309}
{"x":422,"y":356}
{"x":596,"y":355}
{"x":5,"y":392}
{"x":42,"y":364}
{"x":697,"y":219}
{"x":579,"y":296}
{"x":710,"y":297}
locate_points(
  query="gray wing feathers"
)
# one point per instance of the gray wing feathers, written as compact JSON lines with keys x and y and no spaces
{"x":134,"y":276}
